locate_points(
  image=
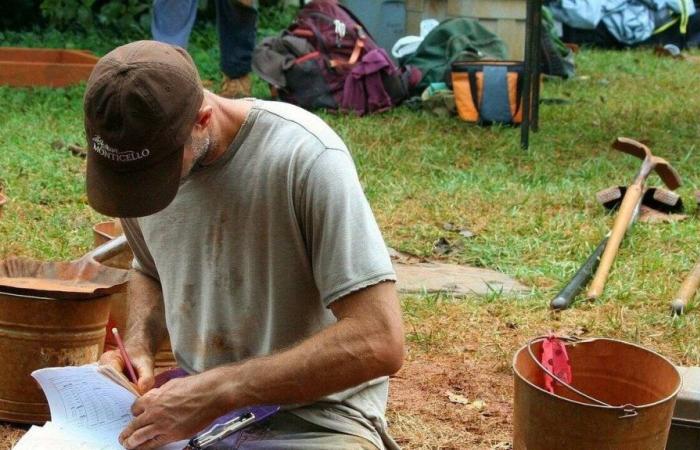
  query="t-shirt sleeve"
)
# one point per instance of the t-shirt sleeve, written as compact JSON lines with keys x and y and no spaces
{"x":143,"y":261}
{"x":343,"y":240}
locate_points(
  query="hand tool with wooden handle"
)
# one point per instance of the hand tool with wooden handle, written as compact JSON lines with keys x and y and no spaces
{"x":686,"y":292}
{"x":629,"y":204}
{"x":660,"y":199}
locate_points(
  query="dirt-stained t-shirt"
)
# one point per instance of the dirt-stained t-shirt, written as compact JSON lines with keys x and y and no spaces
{"x":258,"y":244}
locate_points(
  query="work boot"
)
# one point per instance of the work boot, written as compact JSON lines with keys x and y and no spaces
{"x":236,"y":87}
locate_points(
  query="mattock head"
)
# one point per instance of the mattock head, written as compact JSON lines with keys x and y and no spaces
{"x":666,"y":172}
{"x":632,"y":147}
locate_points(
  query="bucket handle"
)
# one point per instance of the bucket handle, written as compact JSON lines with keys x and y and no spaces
{"x":628,"y":411}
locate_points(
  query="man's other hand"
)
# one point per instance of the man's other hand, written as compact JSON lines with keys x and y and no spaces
{"x":142,"y":362}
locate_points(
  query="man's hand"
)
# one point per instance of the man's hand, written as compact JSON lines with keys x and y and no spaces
{"x":142,"y":362}
{"x":177,"y":410}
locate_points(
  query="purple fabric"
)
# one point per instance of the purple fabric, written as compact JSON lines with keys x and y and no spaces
{"x":168,"y":375}
{"x":364,"y":90}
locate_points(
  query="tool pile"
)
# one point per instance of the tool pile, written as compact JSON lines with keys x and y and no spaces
{"x":631,"y":202}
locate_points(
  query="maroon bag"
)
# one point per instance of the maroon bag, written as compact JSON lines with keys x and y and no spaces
{"x":317,"y":78}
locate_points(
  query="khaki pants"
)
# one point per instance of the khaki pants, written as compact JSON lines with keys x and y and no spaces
{"x":285,"y":431}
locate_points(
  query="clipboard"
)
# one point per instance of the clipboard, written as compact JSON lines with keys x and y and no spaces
{"x":225,"y":428}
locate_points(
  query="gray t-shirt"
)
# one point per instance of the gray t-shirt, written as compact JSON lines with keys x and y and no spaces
{"x":257,"y":245}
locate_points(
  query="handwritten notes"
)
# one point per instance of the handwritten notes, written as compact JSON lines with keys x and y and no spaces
{"x":88,"y":411}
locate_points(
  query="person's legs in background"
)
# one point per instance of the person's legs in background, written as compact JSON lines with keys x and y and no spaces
{"x":172,"y":21}
{"x":236,"y":23}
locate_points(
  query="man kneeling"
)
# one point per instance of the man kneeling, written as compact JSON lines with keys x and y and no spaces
{"x":255,"y":249}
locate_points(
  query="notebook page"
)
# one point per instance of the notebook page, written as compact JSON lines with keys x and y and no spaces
{"x":85,"y":403}
{"x":51,"y":437}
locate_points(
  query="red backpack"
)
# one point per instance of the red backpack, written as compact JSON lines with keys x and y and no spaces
{"x":309,"y":63}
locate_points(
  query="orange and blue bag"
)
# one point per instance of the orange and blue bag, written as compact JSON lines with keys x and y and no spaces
{"x":488,"y":92}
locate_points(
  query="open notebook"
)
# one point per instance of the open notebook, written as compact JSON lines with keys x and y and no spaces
{"x":90,"y":405}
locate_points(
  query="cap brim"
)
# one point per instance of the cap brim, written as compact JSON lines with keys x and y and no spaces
{"x":133,"y":193}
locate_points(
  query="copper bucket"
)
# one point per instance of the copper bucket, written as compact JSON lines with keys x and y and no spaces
{"x":621,"y":398}
{"x":103,"y":232}
{"x":38,"y":332}
{"x":51,"y":314}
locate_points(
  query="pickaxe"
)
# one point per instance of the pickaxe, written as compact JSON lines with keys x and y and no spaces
{"x":657,"y":198}
{"x":630,"y":203}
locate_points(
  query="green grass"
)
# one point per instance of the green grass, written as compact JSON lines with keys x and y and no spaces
{"x":533,"y":213}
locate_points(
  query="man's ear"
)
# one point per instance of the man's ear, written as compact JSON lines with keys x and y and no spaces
{"x":204,"y":117}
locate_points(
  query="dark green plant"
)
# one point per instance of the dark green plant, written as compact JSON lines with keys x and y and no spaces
{"x":65,"y":14}
{"x":129,"y":17}
{"x":274,"y":17}
{"x":132,"y":16}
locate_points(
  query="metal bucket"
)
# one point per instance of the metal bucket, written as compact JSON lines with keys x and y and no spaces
{"x":103,"y":232}
{"x":626,"y":400}
{"x":40,"y":332}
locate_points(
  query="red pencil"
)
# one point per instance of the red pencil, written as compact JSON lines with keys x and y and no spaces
{"x":125,"y":356}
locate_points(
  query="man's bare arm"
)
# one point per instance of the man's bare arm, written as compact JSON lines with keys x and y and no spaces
{"x":145,"y":320}
{"x":145,"y":328}
{"x":367,"y":342}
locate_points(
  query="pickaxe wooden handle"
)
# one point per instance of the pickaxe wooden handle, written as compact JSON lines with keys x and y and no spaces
{"x":687,"y":291}
{"x":622,"y":221}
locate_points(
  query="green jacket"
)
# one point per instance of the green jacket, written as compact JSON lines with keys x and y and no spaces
{"x":458,"y":39}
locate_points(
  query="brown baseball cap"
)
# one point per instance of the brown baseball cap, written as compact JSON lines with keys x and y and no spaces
{"x":141,"y":103}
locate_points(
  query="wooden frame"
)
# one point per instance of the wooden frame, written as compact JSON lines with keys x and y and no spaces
{"x":24,"y":67}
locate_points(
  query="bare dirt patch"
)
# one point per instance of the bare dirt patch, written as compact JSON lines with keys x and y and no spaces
{"x":449,"y":402}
